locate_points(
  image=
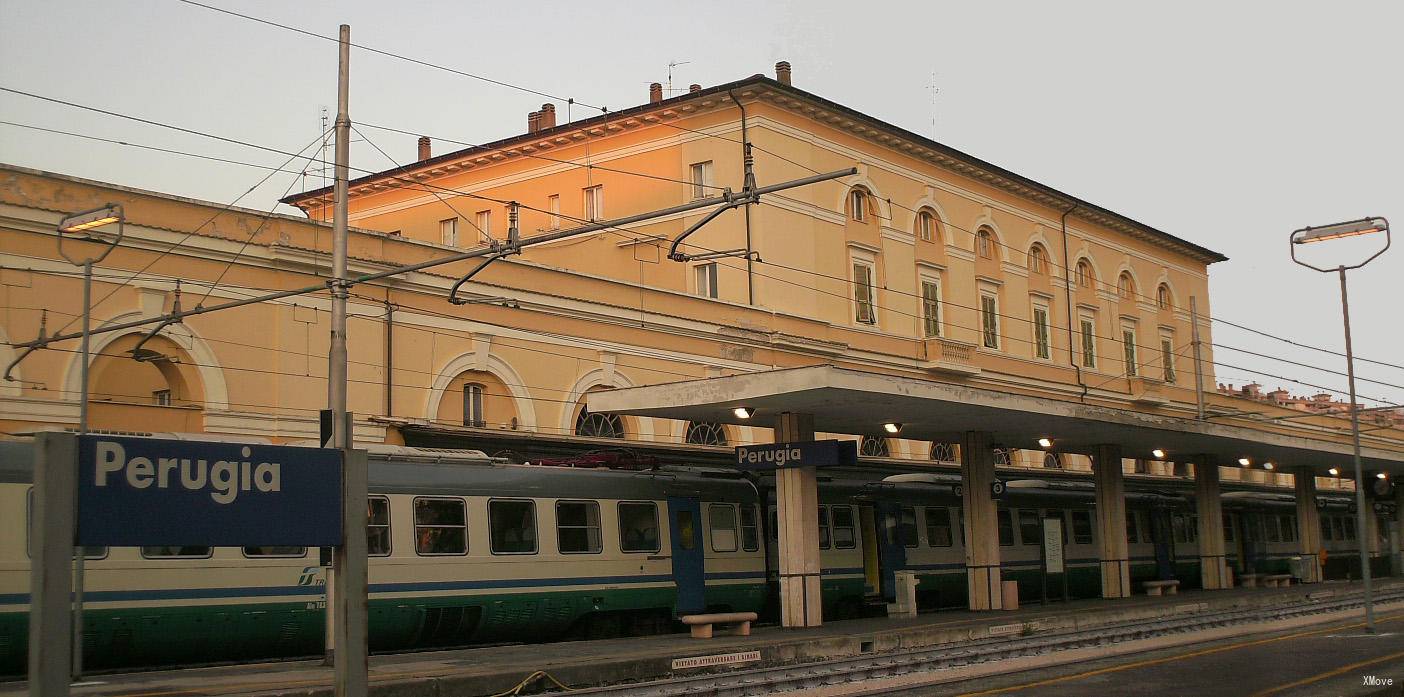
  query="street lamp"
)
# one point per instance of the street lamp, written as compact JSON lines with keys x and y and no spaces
{"x":1307,"y":235}
{"x":83,"y":225}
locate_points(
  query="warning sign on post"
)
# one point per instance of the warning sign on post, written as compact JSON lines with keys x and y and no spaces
{"x":1053,"y":545}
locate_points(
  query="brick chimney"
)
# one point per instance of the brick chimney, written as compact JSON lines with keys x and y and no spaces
{"x":424,"y":150}
{"x":547,"y":117}
{"x":533,"y":122}
{"x":694,"y":87}
{"x":782,"y":72}
{"x":655,"y":93}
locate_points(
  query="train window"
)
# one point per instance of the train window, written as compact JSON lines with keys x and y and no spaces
{"x":959,"y":514}
{"x":275,"y":551}
{"x":723,"y":517}
{"x":1348,"y":527}
{"x":1082,"y":527}
{"x":773,"y":532}
{"x":1006,"y":527}
{"x":1289,"y":528}
{"x":578,"y":527}
{"x":824,"y":527}
{"x":440,"y":526}
{"x":907,"y":528}
{"x":638,"y":527}
{"x":513,"y":526}
{"x":938,"y":527}
{"x":1274,"y":533}
{"x":1133,"y":527}
{"x":89,"y":551}
{"x":176,"y":552}
{"x":1228,"y":528}
{"x":1030,"y":532}
{"x":845,"y":536}
{"x":378,"y":526}
{"x":750,"y":534}
{"x":1177,"y":527}
{"x":1192,"y":528}
{"x":1326,"y":528}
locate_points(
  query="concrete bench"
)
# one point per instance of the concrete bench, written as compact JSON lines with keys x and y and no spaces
{"x":1276,"y":580}
{"x":1171,"y":587}
{"x":702,"y":624}
{"x":1248,"y":580}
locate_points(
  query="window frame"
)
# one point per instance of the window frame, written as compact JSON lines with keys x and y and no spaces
{"x":535,"y":528}
{"x":553,"y":208}
{"x":1163,"y":298}
{"x":825,"y":530}
{"x":864,"y":292}
{"x":755,"y":535}
{"x":709,"y":273}
{"x":1025,"y":515}
{"x":414,"y":520}
{"x":712,"y":527}
{"x":1077,"y":536}
{"x":858,"y":205}
{"x":209,"y":553}
{"x":926,"y":226}
{"x":700,"y":185}
{"x":945,"y":513}
{"x":599,"y":525}
{"x":851,"y":527}
{"x":1043,"y":334}
{"x":389,"y":526}
{"x":1038,"y":259}
{"x":984,"y":243}
{"x":1128,"y":349}
{"x":1004,"y":522}
{"x":989,"y":319}
{"x":483,"y":221}
{"x":1083,"y":273}
{"x":1167,"y":358}
{"x":657,"y":527}
{"x":473,"y":402}
{"x":1125,"y":286}
{"x":593,"y":202}
{"x":1087,"y":331}
{"x":930,"y":306}
{"x":448,"y":232}
{"x":162,"y":398}
{"x":299,"y":555}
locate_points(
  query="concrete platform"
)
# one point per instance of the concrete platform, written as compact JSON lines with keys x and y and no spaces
{"x":487,"y":670}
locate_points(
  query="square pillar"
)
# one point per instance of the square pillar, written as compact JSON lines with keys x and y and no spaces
{"x":1113,"y":550}
{"x":1308,"y":524}
{"x":1213,"y":565}
{"x":797,"y":505}
{"x":977,"y":474}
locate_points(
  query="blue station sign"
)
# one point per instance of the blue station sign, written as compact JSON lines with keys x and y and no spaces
{"x":809,"y":453}
{"x":146,"y":491}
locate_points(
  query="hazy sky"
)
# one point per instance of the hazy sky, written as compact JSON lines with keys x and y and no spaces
{"x":1228,"y":124}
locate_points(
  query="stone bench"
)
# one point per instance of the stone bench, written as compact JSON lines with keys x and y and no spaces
{"x":1248,"y":580}
{"x":1171,"y":587}
{"x":1276,"y":580}
{"x":702,"y":624}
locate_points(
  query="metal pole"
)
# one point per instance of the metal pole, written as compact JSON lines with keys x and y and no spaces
{"x":1198,"y":360}
{"x":1360,"y":510}
{"x":78,"y":555}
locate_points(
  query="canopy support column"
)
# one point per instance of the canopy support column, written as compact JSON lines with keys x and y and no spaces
{"x":977,"y":473}
{"x":1213,"y":565}
{"x":797,"y":506}
{"x":1111,"y":522}
{"x":1308,"y":524}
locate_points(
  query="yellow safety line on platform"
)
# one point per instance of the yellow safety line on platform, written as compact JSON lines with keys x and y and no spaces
{"x":1168,"y":659}
{"x":1327,"y":674}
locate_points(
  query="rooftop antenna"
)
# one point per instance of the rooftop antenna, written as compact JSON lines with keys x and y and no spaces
{"x":934,"y":90}
{"x":671,"y":65}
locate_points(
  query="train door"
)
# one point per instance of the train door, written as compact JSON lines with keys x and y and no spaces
{"x":685,"y":521}
{"x":892,"y":555}
{"x":1164,"y":543}
{"x":1239,"y":543}
{"x":1251,"y":527}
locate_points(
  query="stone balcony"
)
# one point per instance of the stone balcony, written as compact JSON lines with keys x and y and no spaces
{"x":950,"y":356}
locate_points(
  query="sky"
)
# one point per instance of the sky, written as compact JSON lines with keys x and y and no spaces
{"x":1227,"y":124}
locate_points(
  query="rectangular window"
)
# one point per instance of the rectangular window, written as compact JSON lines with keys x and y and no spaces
{"x":926,"y":224}
{"x":938,"y":527}
{"x":723,"y":519}
{"x":1326,"y":530}
{"x":161,"y":398}
{"x":1006,"y":527}
{"x":907,"y":528}
{"x":1089,"y":344}
{"x":1128,"y":345}
{"x":1192,"y":528}
{"x":483,"y":221}
{"x":700,"y":174}
{"x":858,"y":205}
{"x":1347,"y":526}
{"x":275,"y":551}
{"x":1042,"y":346}
{"x":824,"y":541}
{"x":1228,"y":528}
{"x":553,"y":206}
{"x":863,"y":293}
{"x":378,"y":526}
{"x":578,"y":527}
{"x":750,"y":530}
{"x":448,"y":232}
{"x":176,"y":552}
{"x":513,"y":526}
{"x":594,"y":203}
{"x":638,"y":527}
{"x":1082,"y":527}
{"x":706,"y":279}
{"x":1029,"y":532}
{"x":1167,"y":358}
{"x":959,"y":515}
{"x":1274,"y":531}
{"x":473,"y":406}
{"x":440,"y":526}
{"x":931,"y":307}
{"x":1289,"y":528}
{"x":1133,"y":527}
{"x":989,"y":320}
{"x":845,"y":533}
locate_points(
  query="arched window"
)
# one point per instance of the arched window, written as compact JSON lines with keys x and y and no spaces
{"x":1162,"y":297}
{"x":1125,"y":286}
{"x":926,"y":226}
{"x":598,"y":425}
{"x":1052,"y":461}
{"x":1084,"y":274}
{"x":1038,"y":260}
{"x":874,"y":447}
{"x":705,"y":433}
{"x":944,"y":452}
{"x":984,"y":243}
{"x":858,"y":204}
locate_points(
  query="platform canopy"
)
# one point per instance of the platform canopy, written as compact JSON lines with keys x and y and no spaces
{"x":844,"y":400}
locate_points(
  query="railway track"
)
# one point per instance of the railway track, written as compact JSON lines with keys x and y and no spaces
{"x":856,"y":669}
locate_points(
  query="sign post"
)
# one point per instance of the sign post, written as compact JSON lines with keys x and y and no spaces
{"x":51,"y":570}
